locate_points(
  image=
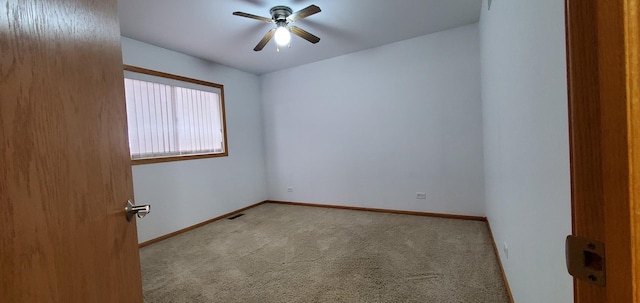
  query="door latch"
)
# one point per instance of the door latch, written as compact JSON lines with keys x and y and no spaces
{"x":586,"y":260}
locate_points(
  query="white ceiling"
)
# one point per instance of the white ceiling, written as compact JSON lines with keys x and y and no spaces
{"x":207,"y":29}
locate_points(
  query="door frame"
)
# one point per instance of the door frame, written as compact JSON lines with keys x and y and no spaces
{"x":603,"y":41}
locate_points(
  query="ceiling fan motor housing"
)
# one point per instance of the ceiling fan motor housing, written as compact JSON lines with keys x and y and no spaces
{"x":280,"y":13}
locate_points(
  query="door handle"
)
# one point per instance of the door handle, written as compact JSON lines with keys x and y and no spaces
{"x":138,"y":210}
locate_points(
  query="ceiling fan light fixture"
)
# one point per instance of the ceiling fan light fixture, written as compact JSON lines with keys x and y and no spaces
{"x":282,"y":16}
{"x":282,"y":36}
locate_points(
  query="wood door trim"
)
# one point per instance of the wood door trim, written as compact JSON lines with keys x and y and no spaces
{"x":192,"y":227}
{"x":602,"y":56}
{"x":615,"y":149}
{"x":383,"y":210}
{"x":584,"y":129}
{"x":632,"y":38}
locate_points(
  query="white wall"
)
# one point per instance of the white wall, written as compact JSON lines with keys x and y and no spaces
{"x":373,"y":127}
{"x":185,"y":193}
{"x":524,"y":95}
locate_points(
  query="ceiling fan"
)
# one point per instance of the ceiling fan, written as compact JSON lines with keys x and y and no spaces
{"x":282,"y":16}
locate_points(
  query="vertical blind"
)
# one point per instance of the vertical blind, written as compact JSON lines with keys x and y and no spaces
{"x":169,"y":120}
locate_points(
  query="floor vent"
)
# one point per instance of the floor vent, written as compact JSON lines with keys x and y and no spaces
{"x":236,"y":216}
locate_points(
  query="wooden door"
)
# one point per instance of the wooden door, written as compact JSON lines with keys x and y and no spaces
{"x":604,"y":79}
{"x":65,"y":172}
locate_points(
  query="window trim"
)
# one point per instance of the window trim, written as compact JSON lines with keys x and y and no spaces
{"x":162,"y":159}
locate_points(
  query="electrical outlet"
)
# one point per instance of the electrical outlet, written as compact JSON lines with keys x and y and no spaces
{"x":420,"y":195}
{"x":505,"y":249}
{"x":289,"y":189}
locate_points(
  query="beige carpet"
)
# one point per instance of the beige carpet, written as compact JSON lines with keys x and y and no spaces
{"x":282,"y":253}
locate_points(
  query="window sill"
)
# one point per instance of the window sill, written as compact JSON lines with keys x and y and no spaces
{"x":176,"y":158}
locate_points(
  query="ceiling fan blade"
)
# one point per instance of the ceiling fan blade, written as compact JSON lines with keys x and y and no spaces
{"x":264,"y":40}
{"x":241,"y":14}
{"x":304,"y":34}
{"x":305,"y":12}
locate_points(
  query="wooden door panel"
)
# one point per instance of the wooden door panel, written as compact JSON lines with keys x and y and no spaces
{"x":64,"y":159}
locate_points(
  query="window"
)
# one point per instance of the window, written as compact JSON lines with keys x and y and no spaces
{"x":173,"y":118}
